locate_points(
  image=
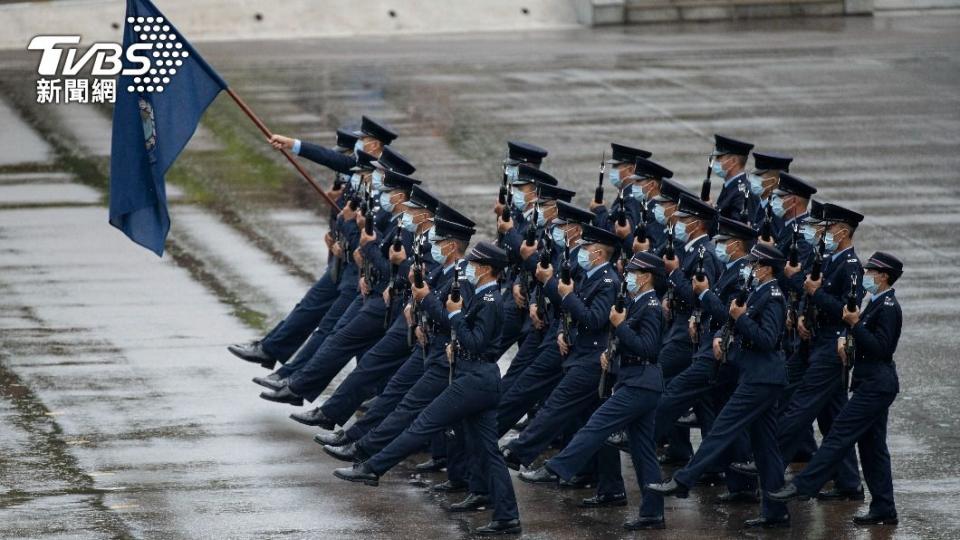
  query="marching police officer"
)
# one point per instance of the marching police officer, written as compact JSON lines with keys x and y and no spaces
{"x":728,"y":162}
{"x":873,"y":336}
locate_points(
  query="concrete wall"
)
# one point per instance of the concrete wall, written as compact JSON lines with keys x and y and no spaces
{"x":201,"y":20}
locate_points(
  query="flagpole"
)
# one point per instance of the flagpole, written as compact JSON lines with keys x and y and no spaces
{"x":267,"y":133}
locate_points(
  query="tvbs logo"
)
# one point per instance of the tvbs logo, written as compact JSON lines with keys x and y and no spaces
{"x":152,"y":59}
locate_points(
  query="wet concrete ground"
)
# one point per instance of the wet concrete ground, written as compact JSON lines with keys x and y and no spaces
{"x":123,"y":416}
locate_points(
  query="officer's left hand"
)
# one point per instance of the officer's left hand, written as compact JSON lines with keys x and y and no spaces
{"x":700,"y":285}
{"x":366,"y":238}
{"x":450,"y":353}
{"x":617,"y":317}
{"x":604,"y":361}
{"x":364,"y":288}
{"x":851,"y":317}
{"x":717,"y":353}
{"x":336,"y":249}
{"x":622,"y":231}
{"x":564,"y":288}
{"x":526,"y":251}
{"x":357,"y":257}
{"x":542,"y":274}
{"x":810,"y":286}
{"x":328,"y":240}
{"x":842,"y":350}
{"x":454,"y":306}
{"x":421,"y":337}
{"x":361,"y":220}
{"x":562,"y":343}
{"x":537,"y":323}
{"x":736,"y":311}
{"x":386,"y":296}
{"x":397,"y":256}
{"x":671,"y":264}
{"x":420,"y":292}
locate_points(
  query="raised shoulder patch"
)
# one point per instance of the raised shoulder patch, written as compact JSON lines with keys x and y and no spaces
{"x":889,"y":301}
{"x":488,"y":297}
{"x":607,"y":280}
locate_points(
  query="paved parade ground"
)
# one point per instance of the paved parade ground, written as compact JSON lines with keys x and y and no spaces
{"x":123,"y":415}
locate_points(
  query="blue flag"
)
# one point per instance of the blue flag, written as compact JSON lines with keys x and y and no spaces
{"x":154,"y":116}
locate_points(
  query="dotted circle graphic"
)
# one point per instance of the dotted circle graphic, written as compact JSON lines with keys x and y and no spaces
{"x":167,"y":53}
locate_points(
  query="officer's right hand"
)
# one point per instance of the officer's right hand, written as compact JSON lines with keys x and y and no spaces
{"x":716,"y":349}
{"x":366,"y":238}
{"x":281,"y":142}
{"x":497,"y":208}
{"x":622,"y":231}
{"x":641,"y":246}
{"x":503,"y":226}
{"x":802,"y":328}
{"x":526,"y":251}
{"x":408,"y":314}
{"x":604,"y":361}
{"x":594,"y":205}
{"x":419,"y":293}
{"x":700,"y":285}
{"x":518,"y":296}
{"x":347,"y":213}
{"x":790,"y":269}
{"x":542,"y":274}
{"x":328,"y":239}
{"x":397,"y":256}
{"x":562,"y":343}
{"x":617,"y":317}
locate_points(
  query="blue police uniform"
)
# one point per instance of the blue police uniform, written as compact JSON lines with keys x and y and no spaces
{"x":758,"y":357}
{"x":863,"y":420}
{"x":821,"y":395}
{"x":470,"y":401}
{"x":631,"y":406}
{"x":731,"y":200}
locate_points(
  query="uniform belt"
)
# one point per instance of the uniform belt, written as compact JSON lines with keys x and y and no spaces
{"x":634,"y":361}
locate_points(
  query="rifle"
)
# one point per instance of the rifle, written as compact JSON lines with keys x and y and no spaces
{"x":620,"y":216}
{"x":530,"y":241}
{"x":367,"y":208}
{"x":745,"y":210}
{"x":396,"y":245}
{"x":849,"y":344}
{"x":565,"y":278}
{"x":640,"y":232}
{"x":793,"y":258}
{"x":545,"y":257}
{"x":504,"y":198}
{"x":455,"y":345}
{"x":613,"y":344}
{"x":766,"y":230}
{"x":705,"y":187}
{"x":598,"y":193}
{"x":726,"y":333}
{"x":669,"y":253}
{"x":418,"y":282}
{"x":697,"y":314}
{"x":810,"y":311}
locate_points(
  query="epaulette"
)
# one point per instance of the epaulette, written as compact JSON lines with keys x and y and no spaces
{"x":889,"y":301}
{"x":607,"y":280}
{"x":653,"y":302}
{"x":488,"y":297}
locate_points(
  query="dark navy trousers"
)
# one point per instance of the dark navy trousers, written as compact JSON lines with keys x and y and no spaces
{"x":339,"y":310}
{"x":400,"y":383}
{"x":862,"y":421}
{"x":674,"y":358}
{"x":751,"y":408}
{"x":352,"y":339}
{"x":514,"y":323}
{"x":293,"y":330}
{"x":532,"y":385}
{"x":380,"y":362}
{"x":470,"y":402}
{"x":820,"y":396}
{"x":796,"y":367}
{"x":526,"y":354}
{"x":630,"y":408}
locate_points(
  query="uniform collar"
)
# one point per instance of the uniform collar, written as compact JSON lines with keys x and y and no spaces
{"x":688,"y":247}
{"x":875,"y":297}
{"x":765,"y":283}
{"x":482,"y":288}
{"x":594,"y":270}
{"x":799,"y":218}
{"x":732,"y":263}
{"x":733,"y":180}
{"x":644,"y":295}
{"x":449,"y":267}
{"x":839,"y":253}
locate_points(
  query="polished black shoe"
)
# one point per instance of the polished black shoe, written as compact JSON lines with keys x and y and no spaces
{"x":689,"y":420}
{"x":841,"y":495}
{"x":473,"y":503}
{"x":450,"y":486}
{"x":739,"y":497}
{"x":365,"y":406}
{"x":252,"y":352}
{"x":272,"y":381}
{"x":540,"y":475}
{"x":788,"y":492}
{"x":511,"y":526}
{"x":620,"y":441}
{"x":710,"y":479}
{"x":314,"y":417}
{"x":283,"y":395}
{"x":579,"y":481}
{"x":511,"y":459}
{"x":667,"y":459}
{"x":346,"y":453}
{"x":432,"y":465}
{"x":358,"y":473}
{"x":876,"y":519}
{"x":604,"y":500}
{"x":782,"y":522}
{"x":670,"y":487}
{"x":645,"y":523}
{"x":748,"y":468}
{"x":333,"y":438}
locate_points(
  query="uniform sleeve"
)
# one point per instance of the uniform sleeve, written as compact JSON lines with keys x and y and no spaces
{"x":477,"y":338}
{"x":765,"y":335}
{"x":434,"y":306}
{"x":880,"y":343}
{"x":711,"y":304}
{"x":595,"y":316}
{"x":833,"y":305}
{"x":642,"y":337}
{"x":327,"y":157}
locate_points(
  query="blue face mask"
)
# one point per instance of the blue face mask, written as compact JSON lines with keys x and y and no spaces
{"x":869,"y":284}
{"x":636,"y":193}
{"x":776,"y":205}
{"x":809,"y":234}
{"x":660,"y":214}
{"x":376,"y":180}
{"x":436,"y":253}
{"x":830,"y":242}
{"x":680,"y":231}
{"x":746,"y":272}
{"x":355,"y":181}
{"x":470,"y":274}
{"x":614,"y":177}
{"x":583,"y":259}
{"x":632,"y":284}
{"x":519,"y":200}
{"x":512,"y":172}
{"x":559,"y":238}
{"x":407,"y":223}
{"x":756,"y":184}
{"x":385,"y":202}
{"x":721,"y":251}
{"x":718,"y":170}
